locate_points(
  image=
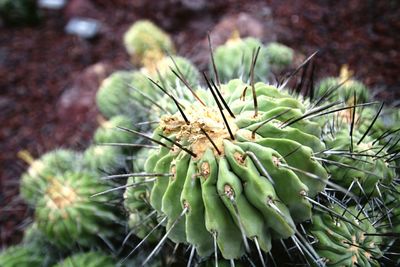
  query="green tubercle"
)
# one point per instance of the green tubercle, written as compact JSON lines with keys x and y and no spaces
{"x":353,"y":163}
{"x":345,"y":242}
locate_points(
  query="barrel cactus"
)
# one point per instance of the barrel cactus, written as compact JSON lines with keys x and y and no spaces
{"x":68,"y":215}
{"x":227,"y":173}
{"x":350,"y":240}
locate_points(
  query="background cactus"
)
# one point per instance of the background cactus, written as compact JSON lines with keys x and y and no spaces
{"x":144,"y":37}
{"x":233,"y":59}
{"x":108,"y":132}
{"x":342,"y":88}
{"x":35,"y":180}
{"x":68,"y":215}
{"x":279,"y":56}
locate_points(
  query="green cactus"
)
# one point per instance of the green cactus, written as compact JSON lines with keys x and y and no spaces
{"x":241,"y":181}
{"x":352,"y":164}
{"x":115,"y":97}
{"x":342,"y":88}
{"x":127,"y":92}
{"x":141,"y":221}
{"x":35,"y":239}
{"x":143,"y":37}
{"x":22,"y":256}
{"x":88,"y":259}
{"x":103,"y":159}
{"x":159,"y":68}
{"x":68,"y":214}
{"x":35,"y":180}
{"x":108,"y":132}
{"x":279,"y":56}
{"x":344,"y":242}
{"x":233,"y":59}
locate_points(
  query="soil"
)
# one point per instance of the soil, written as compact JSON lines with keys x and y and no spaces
{"x":48,"y":79}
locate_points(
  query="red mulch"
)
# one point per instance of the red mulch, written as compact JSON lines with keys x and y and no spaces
{"x":47,"y":84}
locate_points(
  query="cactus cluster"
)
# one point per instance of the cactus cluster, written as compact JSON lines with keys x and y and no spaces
{"x":234,"y":169}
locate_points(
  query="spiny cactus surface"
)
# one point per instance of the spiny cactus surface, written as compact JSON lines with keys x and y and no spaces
{"x":225,"y":171}
{"x":68,"y":215}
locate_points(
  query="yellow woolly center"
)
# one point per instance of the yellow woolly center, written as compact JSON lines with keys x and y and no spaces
{"x":202,"y":119}
{"x":60,"y":196}
{"x":98,"y":150}
{"x":234,"y":39}
{"x":154,"y":60}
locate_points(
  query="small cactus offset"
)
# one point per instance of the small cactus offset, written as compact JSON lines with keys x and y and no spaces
{"x":353,"y":165}
{"x":35,"y":180}
{"x":68,"y":216}
{"x":350,"y":241}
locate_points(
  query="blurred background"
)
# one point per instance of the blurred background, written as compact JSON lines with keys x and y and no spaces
{"x":50,"y":68}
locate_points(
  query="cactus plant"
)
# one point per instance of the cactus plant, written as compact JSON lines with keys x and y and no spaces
{"x":68,"y":215}
{"x":279,"y":56}
{"x":353,"y":163}
{"x":143,"y":37}
{"x":234,"y":59}
{"x":108,"y":132}
{"x":35,"y":180}
{"x":115,"y":97}
{"x":22,"y":256}
{"x":346,"y":242}
{"x":342,"y":88}
{"x":103,"y":159}
{"x":228,"y":176}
